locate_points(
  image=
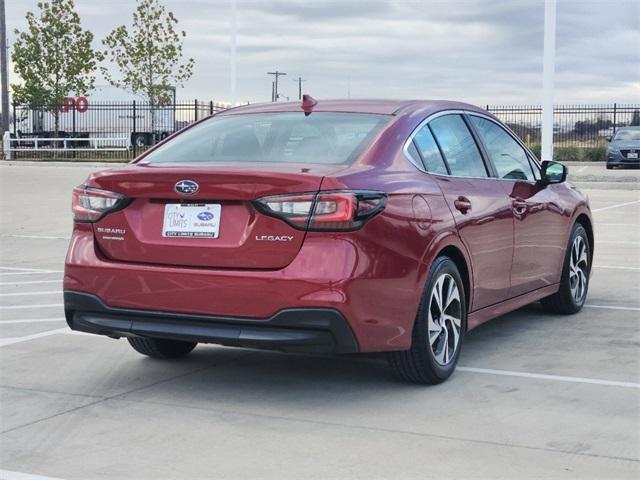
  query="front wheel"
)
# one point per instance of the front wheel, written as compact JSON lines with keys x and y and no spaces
{"x":574,"y":283}
{"x":439,"y":328}
{"x":160,"y":347}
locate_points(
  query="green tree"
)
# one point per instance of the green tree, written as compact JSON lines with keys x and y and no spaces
{"x":149,"y":55}
{"x":53,"y":57}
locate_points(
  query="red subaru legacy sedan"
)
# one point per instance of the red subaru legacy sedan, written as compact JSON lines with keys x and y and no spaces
{"x":330,"y":226}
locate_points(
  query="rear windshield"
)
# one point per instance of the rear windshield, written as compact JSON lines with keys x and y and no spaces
{"x":290,"y":137}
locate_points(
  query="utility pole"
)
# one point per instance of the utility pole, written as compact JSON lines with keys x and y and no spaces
{"x":276,"y":74}
{"x":4,"y":73}
{"x":300,"y":80}
{"x":548,"y":72}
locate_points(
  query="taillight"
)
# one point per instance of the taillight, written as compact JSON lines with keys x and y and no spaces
{"x":91,"y":204}
{"x":324,"y":211}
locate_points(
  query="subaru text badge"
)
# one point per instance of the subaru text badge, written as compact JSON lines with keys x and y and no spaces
{"x":187,"y":187}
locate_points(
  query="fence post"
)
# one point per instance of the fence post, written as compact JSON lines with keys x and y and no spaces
{"x":615,"y":108}
{"x":210,"y":107}
{"x":73,"y":120}
{"x":195,"y":109}
{"x":15,"y":120}
{"x":134,"y":140}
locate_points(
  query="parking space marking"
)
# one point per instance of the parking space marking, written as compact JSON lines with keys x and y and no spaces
{"x":616,"y":267}
{"x":618,"y":242}
{"x":613,"y":307}
{"x":37,"y":270}
{"x":9,"y":475}
{"x":557,"y":378}
{"x":26,"y":294}
{"x":37,"y":237}
{"x":31,"y":282}
{"x":13,"y":340}
{"x":5,"y":274}
{"x":615,"y":206}
{"x":32,"y":320}
{"x":44,"y":305}
{"x":582,"y":169}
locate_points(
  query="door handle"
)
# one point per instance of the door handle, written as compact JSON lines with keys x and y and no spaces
{"x":463,"y":204}
{"x":519,"y":206}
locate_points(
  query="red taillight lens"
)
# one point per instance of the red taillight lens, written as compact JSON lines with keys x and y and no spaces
{"x":324,"y":211}
{"x":91,"y":204}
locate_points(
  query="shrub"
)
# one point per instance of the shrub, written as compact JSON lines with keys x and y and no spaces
{"x":595,"y":154}
{"x":567,"y":154}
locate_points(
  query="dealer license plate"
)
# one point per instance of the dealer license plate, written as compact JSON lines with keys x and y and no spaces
{"x":192,"y":220}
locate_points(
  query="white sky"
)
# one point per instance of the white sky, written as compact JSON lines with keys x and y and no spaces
{"x":483,"y":51}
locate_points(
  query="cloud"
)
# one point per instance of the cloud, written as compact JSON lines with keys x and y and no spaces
{"x":479,"y":51}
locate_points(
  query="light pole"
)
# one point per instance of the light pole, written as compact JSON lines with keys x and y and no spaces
{"x":232,"y":69}
{"x":548,"y":72}
{"x":4,"y":73}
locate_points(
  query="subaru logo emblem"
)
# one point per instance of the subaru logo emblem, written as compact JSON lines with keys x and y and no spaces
{"x":205,"y":216}
{"x":187,"y":187}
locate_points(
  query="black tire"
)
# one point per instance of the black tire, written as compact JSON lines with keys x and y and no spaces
{"x":160,"y":347}
{"x":609,"y":167}
{"x":419,"y":364}
{"x":564,"y":301}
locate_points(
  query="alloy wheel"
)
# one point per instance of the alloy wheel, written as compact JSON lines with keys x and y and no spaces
{"x":578,"y":269}
{"x":444,"y":322}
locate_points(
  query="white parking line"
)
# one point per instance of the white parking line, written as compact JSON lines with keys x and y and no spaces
{"x":26,"y":294}
{"x":613,"y":307}
{"x":32,"y":320}
{"x":557,"y":378}
{"x":9,"y":475}
{"x":12,"y":340}
{"x":16,"y":307}
{"x":617,"y":242}
{"x":582,"y":169}
{"x":38,"y":237}
{"x":31,"y":282}
{"x":6,"y":274}
{"x":22,"y":269}
{"x":616,"y":267}
{"x":615,"y":206}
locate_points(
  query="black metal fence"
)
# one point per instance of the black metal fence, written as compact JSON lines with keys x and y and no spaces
{"x":119,"y":131}
{"x":99,"y":130}
{"x":579,"y":131}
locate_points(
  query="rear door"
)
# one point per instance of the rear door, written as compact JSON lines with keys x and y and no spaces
{"x":214,"y":226}
{"x":479,"y":205}
{"x":539,"y":223}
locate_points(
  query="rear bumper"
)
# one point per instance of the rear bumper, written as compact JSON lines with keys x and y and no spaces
{"x":315,"y":330}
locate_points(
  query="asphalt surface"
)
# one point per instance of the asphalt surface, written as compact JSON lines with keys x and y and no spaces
{"x":536,"y":395}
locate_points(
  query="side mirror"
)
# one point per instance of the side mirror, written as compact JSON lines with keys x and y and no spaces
{"x":553,"y":172}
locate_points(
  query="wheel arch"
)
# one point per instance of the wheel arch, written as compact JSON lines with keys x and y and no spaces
{"x":584,"y":220}
{"x":450,"y":245}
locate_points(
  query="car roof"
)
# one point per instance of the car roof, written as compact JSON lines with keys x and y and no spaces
{"x":373,"y":106}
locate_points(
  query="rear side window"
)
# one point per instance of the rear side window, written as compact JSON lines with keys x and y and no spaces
{"x":510,"y":159}
{"x":428,"y":148}
{"x":458,"y":146}
{"x":289,"y":137}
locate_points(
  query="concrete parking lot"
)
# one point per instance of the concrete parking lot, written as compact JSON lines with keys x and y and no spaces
{"x":536,"y":395}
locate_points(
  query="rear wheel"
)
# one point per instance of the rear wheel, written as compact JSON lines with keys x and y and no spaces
{"x":575,"y":275}
{"x":160,"y":347}
{"x":439,"y":328}
{"x":609,"y":167}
